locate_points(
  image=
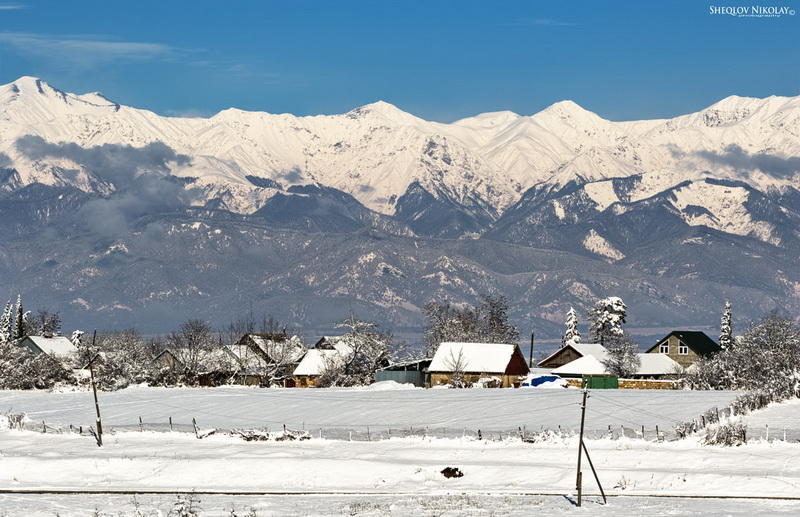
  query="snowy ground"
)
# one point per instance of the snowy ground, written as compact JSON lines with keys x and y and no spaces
{"x":776,"y":421}
{"x":404,"y":472}
{"x":380,"y":506}
{"x":396,"y":476}
{"x":338,"y":413}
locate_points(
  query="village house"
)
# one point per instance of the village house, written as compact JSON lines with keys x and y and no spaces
{"x":166,"y":359}
{"x":476,"y":361}
{"x":685,"y":347}
{"x":570,"y":352}
{"x":651,"y":366}
{"x":59,"y":348}
{"x":326,"y":352}
{"x":265,"y":357}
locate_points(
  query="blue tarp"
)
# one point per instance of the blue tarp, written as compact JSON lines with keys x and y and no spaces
{"x":536,"y":381}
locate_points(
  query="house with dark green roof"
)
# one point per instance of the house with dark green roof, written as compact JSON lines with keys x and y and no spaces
{"x":685,"y":347}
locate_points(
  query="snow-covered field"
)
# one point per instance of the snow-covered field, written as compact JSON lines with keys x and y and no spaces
{"x":401,"y":468}
{"x":387,"y":476}
{"x":381,"y":506}
{"x":776,"y":421}
{"x":340,"y":412}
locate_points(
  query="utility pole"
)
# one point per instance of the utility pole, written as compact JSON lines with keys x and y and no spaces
{"x":94,"y":391}
{"x":578,"y":480}
{"x":581,"y":449}
{"x":530,"y":360}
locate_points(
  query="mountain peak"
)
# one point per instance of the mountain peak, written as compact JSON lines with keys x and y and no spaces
{"x":382,"y":109}
{"x":567,"y":107}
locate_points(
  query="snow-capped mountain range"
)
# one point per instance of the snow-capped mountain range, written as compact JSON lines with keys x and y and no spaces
{"x":562,"y":179}
{"x":376,"y":152}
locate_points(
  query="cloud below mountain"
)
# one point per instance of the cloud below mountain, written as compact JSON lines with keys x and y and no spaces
{"x":736,"y":157}
{"x":139,"y":176}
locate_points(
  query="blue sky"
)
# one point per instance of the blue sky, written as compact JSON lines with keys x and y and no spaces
{"x":441,"y":60}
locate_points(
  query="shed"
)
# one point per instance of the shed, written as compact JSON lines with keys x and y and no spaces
{"x":408,"y":372}
{"x":477,"y":360}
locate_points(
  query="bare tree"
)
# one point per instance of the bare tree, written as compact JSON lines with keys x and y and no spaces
{"x":457,"y":364}
{"x":484,"y":323}
{"x":192,"y":344}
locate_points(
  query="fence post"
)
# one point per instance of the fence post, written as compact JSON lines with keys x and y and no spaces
{"x":140,"y":425}
{"x":170,"y":423}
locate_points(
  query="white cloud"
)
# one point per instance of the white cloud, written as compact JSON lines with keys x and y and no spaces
{"x":12,"y":7}
{"x":83,"y":52}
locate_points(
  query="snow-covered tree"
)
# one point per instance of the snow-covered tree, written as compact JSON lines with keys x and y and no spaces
{"x":284,"y":355}
{"x":766,"y":357}
{"x":571,"y":334}
{"x":77,"y":338}
{"x":6,"y":324}
{"x":20,"y":321}
{"x":606,"y":319}
{"x":726,"y":327}
{"x":622,"y":359}
{"x":484,"y":323}
{"x":44,"y":323}
{"x":362,"y":349}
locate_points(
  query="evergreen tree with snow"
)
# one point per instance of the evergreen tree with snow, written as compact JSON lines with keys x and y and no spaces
{"x":6,"y":325}
{"x":20,"y":328}
{"x":571,"y":334}
{"x":606,"y":319}
{"x":725,"y":328}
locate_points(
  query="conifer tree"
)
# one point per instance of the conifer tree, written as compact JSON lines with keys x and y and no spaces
{"x":571,"y":333}
{"x":6,"y":326}
{"x":725,"y":328}
{"x":19,"y":322}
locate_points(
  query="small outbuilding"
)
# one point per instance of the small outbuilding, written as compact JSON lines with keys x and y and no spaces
{"x":408,"y":372}
{"x":474,"y":361}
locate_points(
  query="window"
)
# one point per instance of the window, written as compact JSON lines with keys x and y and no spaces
{"x":664,"y":348}
{"x":683,"y":349}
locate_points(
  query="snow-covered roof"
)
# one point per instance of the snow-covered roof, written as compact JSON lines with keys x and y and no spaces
{"x":656,"y":364}
{"x":315,"y":359}
{"x":584,"y":349}
{"x":476,"y":357}
{"x":277,"y":347}
{"x":594,"y":349}
{"x":586,"y":365}
{"x":649,"y":364}
{"x":57,"y":346}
